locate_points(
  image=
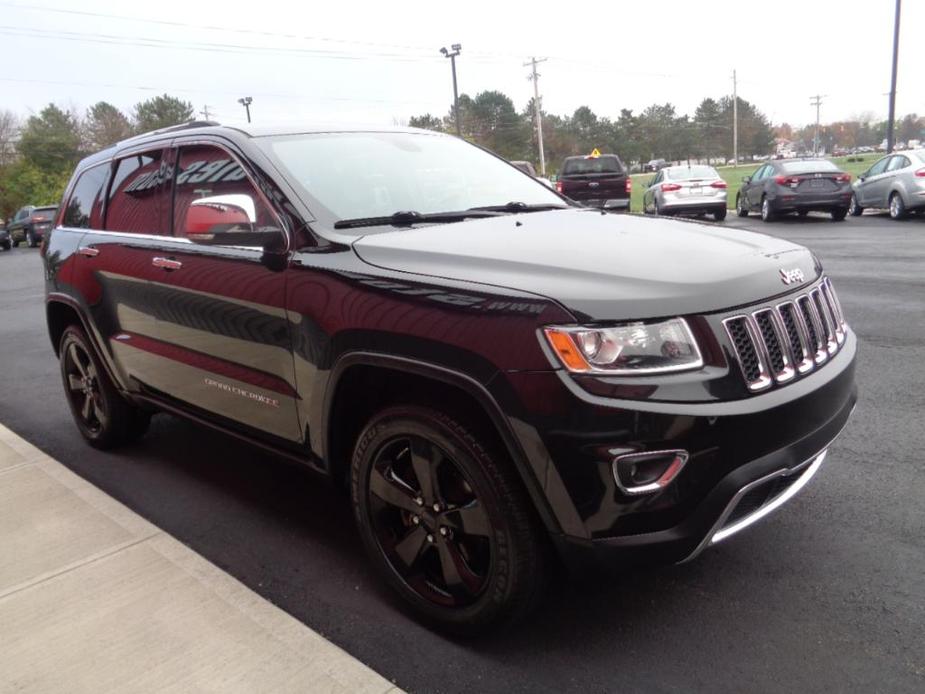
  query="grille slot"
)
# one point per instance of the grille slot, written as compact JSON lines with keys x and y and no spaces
{"x":828,"y":323}
{"x":744,"y":344}
{"x":811,"y":319}
{"x":777,"y":343}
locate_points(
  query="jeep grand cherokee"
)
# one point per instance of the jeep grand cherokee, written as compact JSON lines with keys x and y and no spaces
{"x":491,"y":371}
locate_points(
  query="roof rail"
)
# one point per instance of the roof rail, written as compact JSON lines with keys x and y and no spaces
{"x":173,"y":128}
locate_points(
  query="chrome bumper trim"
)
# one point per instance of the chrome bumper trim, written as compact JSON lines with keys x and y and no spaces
{"x":720,"y":531}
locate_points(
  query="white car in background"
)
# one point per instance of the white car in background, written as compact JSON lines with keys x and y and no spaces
{"x":689,"y":190}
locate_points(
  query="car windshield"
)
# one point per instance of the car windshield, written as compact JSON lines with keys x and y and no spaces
{"x":808,"y":166}
{"x":682,"y":173}
{"x":374,"y":174}
{"x":45,"y":211}
{"x":592,"y":165}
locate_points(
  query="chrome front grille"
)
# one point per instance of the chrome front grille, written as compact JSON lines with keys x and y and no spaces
{"x":774,"y":344}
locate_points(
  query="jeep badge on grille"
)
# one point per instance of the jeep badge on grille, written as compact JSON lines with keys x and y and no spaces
{"x":794,"y":276}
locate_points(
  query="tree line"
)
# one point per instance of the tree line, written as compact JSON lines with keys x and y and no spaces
{"x":38,"y":156}
{"x":659,"y":131}
{"x":491,"y":120}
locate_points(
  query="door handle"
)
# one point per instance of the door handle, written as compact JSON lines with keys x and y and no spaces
{"x":88,"y":251}
{"x":167,"y":263}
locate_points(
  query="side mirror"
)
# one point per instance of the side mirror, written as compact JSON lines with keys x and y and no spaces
{"x":228,"y":220}
{"x":746,"y":179}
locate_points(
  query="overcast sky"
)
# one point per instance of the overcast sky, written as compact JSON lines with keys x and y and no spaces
{"x":378,"y":62}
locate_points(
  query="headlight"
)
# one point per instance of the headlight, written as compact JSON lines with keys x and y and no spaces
{"x":626,"y":350}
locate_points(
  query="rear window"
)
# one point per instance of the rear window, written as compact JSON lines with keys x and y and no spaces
{"x":45,"y":211}
{"x":809,"y":166}
{"x":139,"y":197}
{"x":84,"y":209}
{"x":683,"y":173}
{"x":593,"y":165}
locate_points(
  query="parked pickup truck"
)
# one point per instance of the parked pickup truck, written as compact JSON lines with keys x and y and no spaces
{"x":596,"y":180}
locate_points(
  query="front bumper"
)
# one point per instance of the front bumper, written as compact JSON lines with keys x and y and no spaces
{"x":742,"y":498}
{"x":739,"y":449}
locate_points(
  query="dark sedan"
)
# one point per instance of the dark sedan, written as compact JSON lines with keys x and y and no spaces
{"x":795,"y":185}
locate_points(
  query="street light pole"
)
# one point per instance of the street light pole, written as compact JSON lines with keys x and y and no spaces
{"x":892,"y":118}
{"x":246,"y":102}
{"x":451,"y":54}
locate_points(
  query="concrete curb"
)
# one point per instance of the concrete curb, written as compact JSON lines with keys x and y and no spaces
{"x":94,"y":598}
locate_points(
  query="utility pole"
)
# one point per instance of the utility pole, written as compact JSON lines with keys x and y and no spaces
{"x":537,"y":110}
{"x":246,"y":102}
{"x":817,"y":102}
{"x":451,"y":54}
{"x":735,"y":121}
{"x":205,"y":112}
{"x":892,"y":118}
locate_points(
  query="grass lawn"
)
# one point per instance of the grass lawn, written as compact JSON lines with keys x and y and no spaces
{"x":733,"y":176}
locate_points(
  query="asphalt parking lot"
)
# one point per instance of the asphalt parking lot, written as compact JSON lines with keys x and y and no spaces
{"x":828,"y":595}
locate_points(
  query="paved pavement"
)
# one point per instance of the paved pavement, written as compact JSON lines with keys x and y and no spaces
{"x":93,"y":598}
{"x":828,"y":595}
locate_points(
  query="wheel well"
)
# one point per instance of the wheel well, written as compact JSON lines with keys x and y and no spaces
{"x":364,"y":390}
{"x":59,"y":316}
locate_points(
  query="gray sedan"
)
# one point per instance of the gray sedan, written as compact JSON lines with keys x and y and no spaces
{"x":895,"y":183}
{"x":693,"y":190}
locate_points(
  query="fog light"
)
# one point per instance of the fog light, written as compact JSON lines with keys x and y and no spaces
{"x":647,"y":472}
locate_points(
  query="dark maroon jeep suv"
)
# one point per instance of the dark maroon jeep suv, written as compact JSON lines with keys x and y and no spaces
{"x":501,"y":379}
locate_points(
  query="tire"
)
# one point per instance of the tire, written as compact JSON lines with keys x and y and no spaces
{"x":656,"y":210}
{"x":767,"y":214}
{"x":103,"y":417}
{"x":6,"y":245}
{"x":720,"y":215}
{"x":458,"y":578}
{"x":854,"y":209}
{"x":30,"y":240}
{"x":839,"y":214}
{"x":897,"y":206}
{"x":15,"y":244}
{"x":741,"y":206}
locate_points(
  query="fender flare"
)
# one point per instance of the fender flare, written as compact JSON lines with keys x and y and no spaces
{"x":552,"y":518}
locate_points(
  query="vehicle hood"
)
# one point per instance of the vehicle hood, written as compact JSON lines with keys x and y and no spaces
{"x":600,"y":266}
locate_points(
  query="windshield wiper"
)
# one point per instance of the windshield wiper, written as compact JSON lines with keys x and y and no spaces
{"x":409,"y":217}
{"x":514,"y":207}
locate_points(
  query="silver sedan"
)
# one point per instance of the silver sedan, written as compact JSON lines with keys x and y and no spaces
{"x":693,"y":190}
{"x":895,"y":183}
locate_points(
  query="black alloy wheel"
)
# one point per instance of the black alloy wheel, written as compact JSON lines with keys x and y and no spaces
{"x":444,"y":521}
{"x":103,"y":416}
{"x":83,"y":388}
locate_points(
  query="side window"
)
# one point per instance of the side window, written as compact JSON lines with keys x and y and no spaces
{"x":897,"y":162}
{"x":879,"y":167}
{"x":761,"y":173}
{"x":213,"y":193}
{"x":85,"y":208}
{"x":139,"y":197}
